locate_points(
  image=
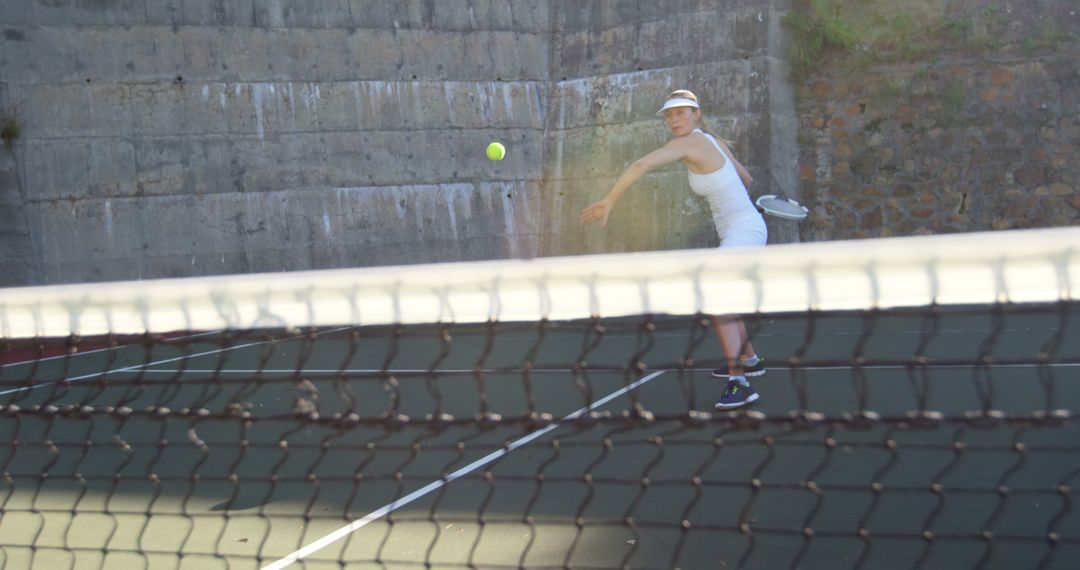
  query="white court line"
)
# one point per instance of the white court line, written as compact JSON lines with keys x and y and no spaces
{"x":512,"y":339}
{"x":145,"y":364}
{"x":435,"y":485}
{"x":914,"y":366}
{"x":95,"y":351}
{"x":293,"y":372}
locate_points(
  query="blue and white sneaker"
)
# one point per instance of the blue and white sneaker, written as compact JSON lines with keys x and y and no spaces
{"x":736,"y":395}
{"x":757,"y":369}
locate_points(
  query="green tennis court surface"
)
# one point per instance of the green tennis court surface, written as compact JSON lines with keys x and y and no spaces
{"x":236,"y":450}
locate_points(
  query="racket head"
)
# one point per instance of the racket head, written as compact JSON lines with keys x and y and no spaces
{"x":785,"y":208}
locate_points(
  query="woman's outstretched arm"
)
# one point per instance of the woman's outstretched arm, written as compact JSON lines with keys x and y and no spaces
{"x":672,"y":151}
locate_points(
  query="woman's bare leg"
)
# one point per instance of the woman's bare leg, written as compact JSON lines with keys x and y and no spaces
{"x":747,"y":348}
{"x":731,"y":332}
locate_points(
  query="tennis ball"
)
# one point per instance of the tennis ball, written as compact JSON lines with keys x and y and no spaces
{"x":496,"y":151}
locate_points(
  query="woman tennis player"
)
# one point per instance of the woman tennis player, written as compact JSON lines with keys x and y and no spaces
{"x":722,"y":181}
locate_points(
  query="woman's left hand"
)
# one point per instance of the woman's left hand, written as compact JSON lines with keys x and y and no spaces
{"x":598,"y":211}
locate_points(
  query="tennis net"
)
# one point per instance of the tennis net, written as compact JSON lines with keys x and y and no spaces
{"x":918,"y":412}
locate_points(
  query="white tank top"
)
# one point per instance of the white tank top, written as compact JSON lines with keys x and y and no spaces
{"x":724,"y":190}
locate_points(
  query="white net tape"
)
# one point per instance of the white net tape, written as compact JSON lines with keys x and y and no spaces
{"x":1016,"y":266}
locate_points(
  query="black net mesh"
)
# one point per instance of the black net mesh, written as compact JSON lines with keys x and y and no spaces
{"x":928,"y":437}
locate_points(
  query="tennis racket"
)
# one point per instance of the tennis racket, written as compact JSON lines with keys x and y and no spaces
{"x":781,"y":207}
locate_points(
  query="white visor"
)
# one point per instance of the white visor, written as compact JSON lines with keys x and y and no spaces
{"x":679,"y":102}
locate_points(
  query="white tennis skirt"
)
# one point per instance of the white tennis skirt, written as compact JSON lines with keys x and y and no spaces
{"x":747,"y":231}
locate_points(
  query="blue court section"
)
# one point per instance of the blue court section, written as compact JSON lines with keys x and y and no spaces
{"x":232,"y":450}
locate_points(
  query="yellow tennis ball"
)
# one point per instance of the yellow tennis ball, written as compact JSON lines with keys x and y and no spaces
{"x":496,"y":151}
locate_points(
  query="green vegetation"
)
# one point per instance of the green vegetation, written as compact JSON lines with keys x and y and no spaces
{"x":1029,"y":46}
{"x":811,"y":33}
{"x":953,"y":98}
{"x":900,"y":31}
{"x":1051,"y":39}
{"x":855,"y":35}
{"x":9,"y":129}
{"x":957,"y":30}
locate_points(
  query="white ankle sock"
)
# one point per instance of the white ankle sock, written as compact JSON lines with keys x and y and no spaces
{"x":751,"y":361}
{"x":741,"y":380}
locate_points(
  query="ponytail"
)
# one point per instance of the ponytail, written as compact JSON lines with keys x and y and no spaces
{"x":706,"y":128}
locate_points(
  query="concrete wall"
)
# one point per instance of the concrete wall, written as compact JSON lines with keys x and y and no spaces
{"x":17,"y":263}
{"x":187,"y":138}
{"x":182,"y":137}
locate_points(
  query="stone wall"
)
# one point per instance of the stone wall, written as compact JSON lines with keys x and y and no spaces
{"x":944,"y":117}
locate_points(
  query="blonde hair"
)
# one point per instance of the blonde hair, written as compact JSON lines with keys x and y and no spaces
{"x":687,"y":94}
